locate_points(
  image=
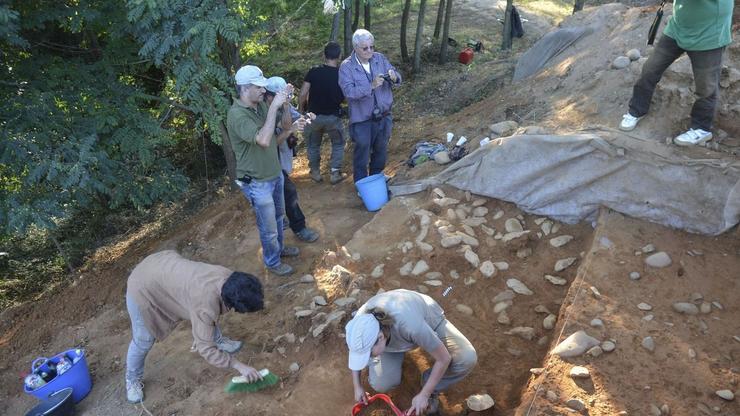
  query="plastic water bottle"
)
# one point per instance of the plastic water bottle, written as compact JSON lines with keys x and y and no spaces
{"x":34,"y":381}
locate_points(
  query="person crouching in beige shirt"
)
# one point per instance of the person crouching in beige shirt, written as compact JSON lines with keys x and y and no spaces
{"x":166,"y":288}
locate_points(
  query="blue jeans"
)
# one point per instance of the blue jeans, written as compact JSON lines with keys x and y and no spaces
{"x":296,"y":219}
{"x":268,"y":202}
{"x":331,"y":125}
{"x":141,"y":342}
{"x":371,"y":142}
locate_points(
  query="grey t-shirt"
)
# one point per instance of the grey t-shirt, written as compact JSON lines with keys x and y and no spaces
{"x":416,"y":317}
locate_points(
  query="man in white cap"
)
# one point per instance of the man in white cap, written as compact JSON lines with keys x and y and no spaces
{"x":393,"y":322}
{"x":251,"y":128}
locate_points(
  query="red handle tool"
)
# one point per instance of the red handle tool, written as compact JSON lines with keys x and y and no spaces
{"x":382,"y":397}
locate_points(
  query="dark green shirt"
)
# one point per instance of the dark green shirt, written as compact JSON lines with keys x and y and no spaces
{"x":700,"y":25}
{"x":252,"y":160}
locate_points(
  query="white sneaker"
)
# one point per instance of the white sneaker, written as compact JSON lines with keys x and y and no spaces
{"x":134,"y":391}
{"x":629,"y":122}
{"x":228,"y":345}
{"x":693,"y":137}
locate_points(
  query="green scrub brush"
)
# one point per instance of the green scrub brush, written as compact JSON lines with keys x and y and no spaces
{"x":240,"y":384}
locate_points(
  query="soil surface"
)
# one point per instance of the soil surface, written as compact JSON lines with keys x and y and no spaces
{"x":577,"y":90}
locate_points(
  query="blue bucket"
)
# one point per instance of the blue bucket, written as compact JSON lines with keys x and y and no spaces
{"x":373,"y":191}
{"x":77,"y":376}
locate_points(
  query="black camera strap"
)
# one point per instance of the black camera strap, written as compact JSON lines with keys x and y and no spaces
{"x":656,"y":24}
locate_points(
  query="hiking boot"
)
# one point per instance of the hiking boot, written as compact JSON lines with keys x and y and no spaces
{"x":290,"y":251}
{"x":308,"y":235}
{"x":281,"y":269}
{"x":693,"y":137}
{"x":629,"y":122}
{"x":336,"y":177}
{"x":228,"y":345}
{"x":134,"y":391}
{"x":315,"y":175}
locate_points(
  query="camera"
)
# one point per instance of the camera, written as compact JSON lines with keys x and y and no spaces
{"x":377,"y":115}
{"x":387,"y":78}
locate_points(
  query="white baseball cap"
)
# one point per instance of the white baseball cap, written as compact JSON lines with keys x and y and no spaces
{"x":361,"y":334}
{"x":275,"y":84}
{"x":250,"y":74}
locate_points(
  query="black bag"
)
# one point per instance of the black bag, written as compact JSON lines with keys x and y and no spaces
{"x":517,"y":30}
{"x":656,"y":24}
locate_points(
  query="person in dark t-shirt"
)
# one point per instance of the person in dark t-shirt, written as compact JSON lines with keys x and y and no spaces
{"x":321,"y":95}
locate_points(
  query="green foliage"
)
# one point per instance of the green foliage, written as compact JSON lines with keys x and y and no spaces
{"x":73,"y":138}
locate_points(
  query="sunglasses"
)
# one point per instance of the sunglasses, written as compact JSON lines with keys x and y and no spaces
{"x":368,"y":48}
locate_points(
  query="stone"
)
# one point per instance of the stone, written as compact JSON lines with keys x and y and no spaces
{"x":498,"y":214}
{"x":696,"y":297}
{"x":608,"y":346}
{"x":685,"y":308}
{"x":705,"y":307}
{"x":319,"y":330}
{"x":576,"y":405}
{"x":460,"y":213}
{"x":714,"y":303}
{"x":644,"y":306}
{"x":479,"y":402}
{"x":503,"y":296}
{"x":406,"y":269}
{"x":444,"y":202}
{"x":342,"y":302}
{"x":504,"y":128}
{"x":648,"y":248}
{"x":425,"y":247}
{"x":558,"y":281}
{"x":518,"y":287}
{"x":649,"y":317}
{"x":633,"y":54}
{"x":435,"y":283}
{"x":454,"y":274}
{"x":523,"y":253}
{"x":552,"y":396}
{"x":503,"y":318}
{"x":467,"y":310}
{"x":537,"y":370}
{"x":549,"y":321}
{"x":472,"y":258}
{"x":511,"y":236}
{"x":561,"y":240}
{"x":469,"y":280}
{"x":501,"y":306}
{"x":725,"y":394}
{"x":479,"y":202}
{"x":422,"y":288}
{"x":467,"y":239}
{"x":303,"y":313}
{"x":474,"y":221}
{"x":319,"y":300}
{"x":512,"y":225}
{"x":595,"y":351}
{"x":487,"y":268}
{"x":621,"y":62}
{"x":648,"y":343}
{"x":420,"y":267}
{"x":451,"y":240}
{"x":542,"y":309}
{"x":665,"y":410}
{"x":439,"y":192}
{"x":575,"y":345}
{"x":692,"y":353}
{"x":597,"y":323}
{"x":654,"y":410}
{"x":442,"y":157}
{"x":546,"y":227}
{"x":634,"y":276}
{"x":501,"y":265}
{"x":524,"y":332}
{"x":294,"y":368}
{"x":488,"y":230}
{"x":307,"y":278}
{"x":579,"y":372}
{"x":658,"y":260}
{"x":563,"y":264}
{"x":480,"y":212}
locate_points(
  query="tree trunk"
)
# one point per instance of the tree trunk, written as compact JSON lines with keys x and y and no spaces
{"x":356,"y":19}
{"x":62,"y":254}
{"x":445,"y":33}
{"x":506,"y":42}
{"x":404,"y":25}
{"x":418,"y":43}
{"x":578,"y":6}
{"x":440,"y":16}
{"x":348,"y":28}
{"x":335,"y":27}
{"x":228,"y":154}
{"x":367,"y":14}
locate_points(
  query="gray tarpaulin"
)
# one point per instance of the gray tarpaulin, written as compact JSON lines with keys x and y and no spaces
{"x":546,"y":48}
{"x":569,"y":177}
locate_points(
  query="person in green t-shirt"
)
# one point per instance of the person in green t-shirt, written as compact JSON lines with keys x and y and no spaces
{"x":701,"y":28}
{"x":251,"y":127}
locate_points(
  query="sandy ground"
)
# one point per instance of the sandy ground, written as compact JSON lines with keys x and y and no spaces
{"x":579,"y":90}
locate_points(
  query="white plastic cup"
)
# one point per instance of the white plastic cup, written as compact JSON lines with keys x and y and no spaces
{"x":450,"y":136}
